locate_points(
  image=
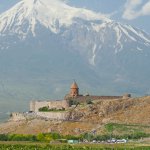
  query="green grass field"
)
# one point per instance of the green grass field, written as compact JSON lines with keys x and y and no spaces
{"x":45,"y":146}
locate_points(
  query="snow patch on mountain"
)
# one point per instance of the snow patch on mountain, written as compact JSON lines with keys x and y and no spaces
{"x":119,"y":45}
{"x":92,"y":60}
{"x":140,"y":49}
{"x":127,"y":33}
{"x":137,"y":32}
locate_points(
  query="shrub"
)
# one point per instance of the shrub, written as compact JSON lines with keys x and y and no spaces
{"x":46,"y":109}
{"x":3,"y":137}
{"x":89,"y":102}
{"x":73,"y":102}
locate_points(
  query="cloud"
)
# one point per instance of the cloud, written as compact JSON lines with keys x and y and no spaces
{"x":146,"y":9}
{"x":136,"y":8}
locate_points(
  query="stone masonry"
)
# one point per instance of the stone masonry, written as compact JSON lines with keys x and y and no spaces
{"x":58,"y":104}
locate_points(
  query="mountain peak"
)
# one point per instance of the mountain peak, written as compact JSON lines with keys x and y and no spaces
{"x":45,"y":12}
{"x":48,"y":2}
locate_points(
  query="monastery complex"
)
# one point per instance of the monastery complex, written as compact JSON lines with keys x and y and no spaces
{"x":73,"y":95}
{"x":60,"y":109}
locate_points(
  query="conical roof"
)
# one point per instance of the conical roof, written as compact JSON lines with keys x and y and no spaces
{"x":74,"y":85}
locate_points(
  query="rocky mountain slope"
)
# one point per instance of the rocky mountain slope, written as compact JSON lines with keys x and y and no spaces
{"x":131,"y":113}
{"x":45,"y":44}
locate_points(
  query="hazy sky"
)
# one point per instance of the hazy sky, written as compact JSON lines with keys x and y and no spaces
{"x":134,"y":12}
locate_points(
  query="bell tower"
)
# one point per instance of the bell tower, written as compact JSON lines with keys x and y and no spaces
{"x":74,"y":90}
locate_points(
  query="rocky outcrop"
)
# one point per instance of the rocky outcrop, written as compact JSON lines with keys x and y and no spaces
{"x":124,"y":110}
{"x":53,"y":115}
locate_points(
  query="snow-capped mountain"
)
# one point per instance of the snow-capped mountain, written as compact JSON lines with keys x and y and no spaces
{"x":49,"y":13}
{"x":46,"y":43}
{"x":95,"y":30}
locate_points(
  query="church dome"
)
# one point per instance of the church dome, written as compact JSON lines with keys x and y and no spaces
{"x":74,"y":85}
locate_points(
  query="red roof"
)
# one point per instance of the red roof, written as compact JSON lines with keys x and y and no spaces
{"x":74,"y":85}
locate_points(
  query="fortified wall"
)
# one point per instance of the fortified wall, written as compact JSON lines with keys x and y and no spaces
{"x":41,"y":115}
{"x":53,"y":115}
{"x":17,"y":116}
{"x":92,"y":98}
{"x":59,"y":104}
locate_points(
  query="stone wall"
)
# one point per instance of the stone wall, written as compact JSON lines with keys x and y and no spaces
{"x":53,"y":115}
{"x":17,"y":116}
{"x":83,"y":99}
{"x":44,"y":115}
{"x":58,"y":104}
{"x":35,"y":105}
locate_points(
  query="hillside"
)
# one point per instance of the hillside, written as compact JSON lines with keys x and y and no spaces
{"x":122,"y":115}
